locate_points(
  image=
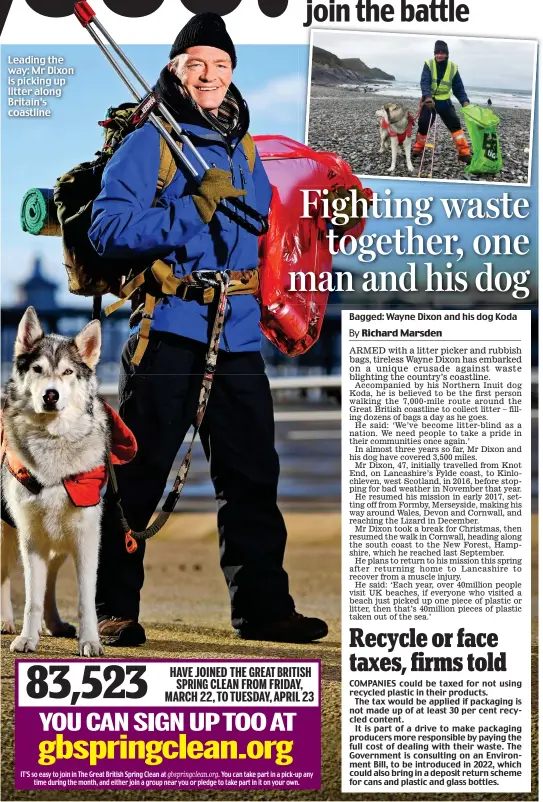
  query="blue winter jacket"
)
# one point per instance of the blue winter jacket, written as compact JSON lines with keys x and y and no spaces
{"x":126,"y":226}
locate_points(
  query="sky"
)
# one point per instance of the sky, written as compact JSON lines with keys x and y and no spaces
{"x":492,"y":63}
{"x":273,"y":79}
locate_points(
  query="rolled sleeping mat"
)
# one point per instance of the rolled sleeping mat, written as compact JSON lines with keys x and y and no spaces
{"x":39,"y":213}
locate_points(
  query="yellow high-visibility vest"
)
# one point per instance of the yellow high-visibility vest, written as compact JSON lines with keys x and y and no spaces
{"x":443,"y":91}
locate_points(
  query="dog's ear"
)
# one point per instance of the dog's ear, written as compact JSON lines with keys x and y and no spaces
{"x":88,"y":343}
{"x":28,"y":333}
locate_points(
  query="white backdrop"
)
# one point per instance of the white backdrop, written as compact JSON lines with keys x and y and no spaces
{"x":248,"y":25}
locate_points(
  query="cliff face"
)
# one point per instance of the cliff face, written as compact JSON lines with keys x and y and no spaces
{"x":328,"y":69}
{"x":358,"y":66}
{"x":325,"y":59}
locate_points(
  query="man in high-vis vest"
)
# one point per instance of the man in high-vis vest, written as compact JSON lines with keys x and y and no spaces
{"x":439,"y":80}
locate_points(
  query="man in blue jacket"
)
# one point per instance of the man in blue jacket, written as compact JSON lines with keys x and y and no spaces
{"x":159,"y":396}
{"x":439,"y":80}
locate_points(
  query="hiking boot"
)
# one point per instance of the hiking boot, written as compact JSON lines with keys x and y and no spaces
{"x":295,"y":628}
{"x":418,"y":148}
{"x":462,"y":146}
{"x":121,"y":632}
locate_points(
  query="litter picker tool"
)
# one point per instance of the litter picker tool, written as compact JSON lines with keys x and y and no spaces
{"x":235,"y":209}
{"x":432,"y":133}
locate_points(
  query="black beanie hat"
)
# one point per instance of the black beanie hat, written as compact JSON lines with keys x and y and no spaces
{"x":206,"y":29}
{"x":441,"y":47}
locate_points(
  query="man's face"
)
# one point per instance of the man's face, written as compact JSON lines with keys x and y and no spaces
{"x":206,"y":74}
{"x":440,"y":56}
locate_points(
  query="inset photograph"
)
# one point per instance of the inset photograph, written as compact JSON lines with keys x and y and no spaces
{"x":424,"y":107}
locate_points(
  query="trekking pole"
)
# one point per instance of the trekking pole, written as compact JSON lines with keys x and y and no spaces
{"x":146,"y":110}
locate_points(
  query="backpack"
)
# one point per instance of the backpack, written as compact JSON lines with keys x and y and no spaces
{"x":74,"y":193}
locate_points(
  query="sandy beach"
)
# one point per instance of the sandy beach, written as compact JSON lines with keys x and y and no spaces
{"x":343,"y":121}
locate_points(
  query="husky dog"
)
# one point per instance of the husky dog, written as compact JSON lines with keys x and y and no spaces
{"x":56,"y":429}
{"x":395,"y":128}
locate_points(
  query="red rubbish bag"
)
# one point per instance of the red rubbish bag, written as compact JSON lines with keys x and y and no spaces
{"x":292,"y":320}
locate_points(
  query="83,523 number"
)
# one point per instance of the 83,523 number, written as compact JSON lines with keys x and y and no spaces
{"x":102,"y":682}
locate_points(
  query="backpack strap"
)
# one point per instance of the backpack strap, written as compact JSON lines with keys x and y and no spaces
{"x":145,"y":328}
{"x":167,"y":166}
{"x":249,"y":147}
{"x":166,"y":171}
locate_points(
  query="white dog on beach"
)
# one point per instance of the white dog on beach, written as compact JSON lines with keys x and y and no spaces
{"x":396,"y":129}
{"x":57,"y":435}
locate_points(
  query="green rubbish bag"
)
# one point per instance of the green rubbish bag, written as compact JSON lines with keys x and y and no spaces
{"x":482,"y":126}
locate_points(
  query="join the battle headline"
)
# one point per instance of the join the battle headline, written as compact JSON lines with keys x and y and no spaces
{"x":368,"y":11}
